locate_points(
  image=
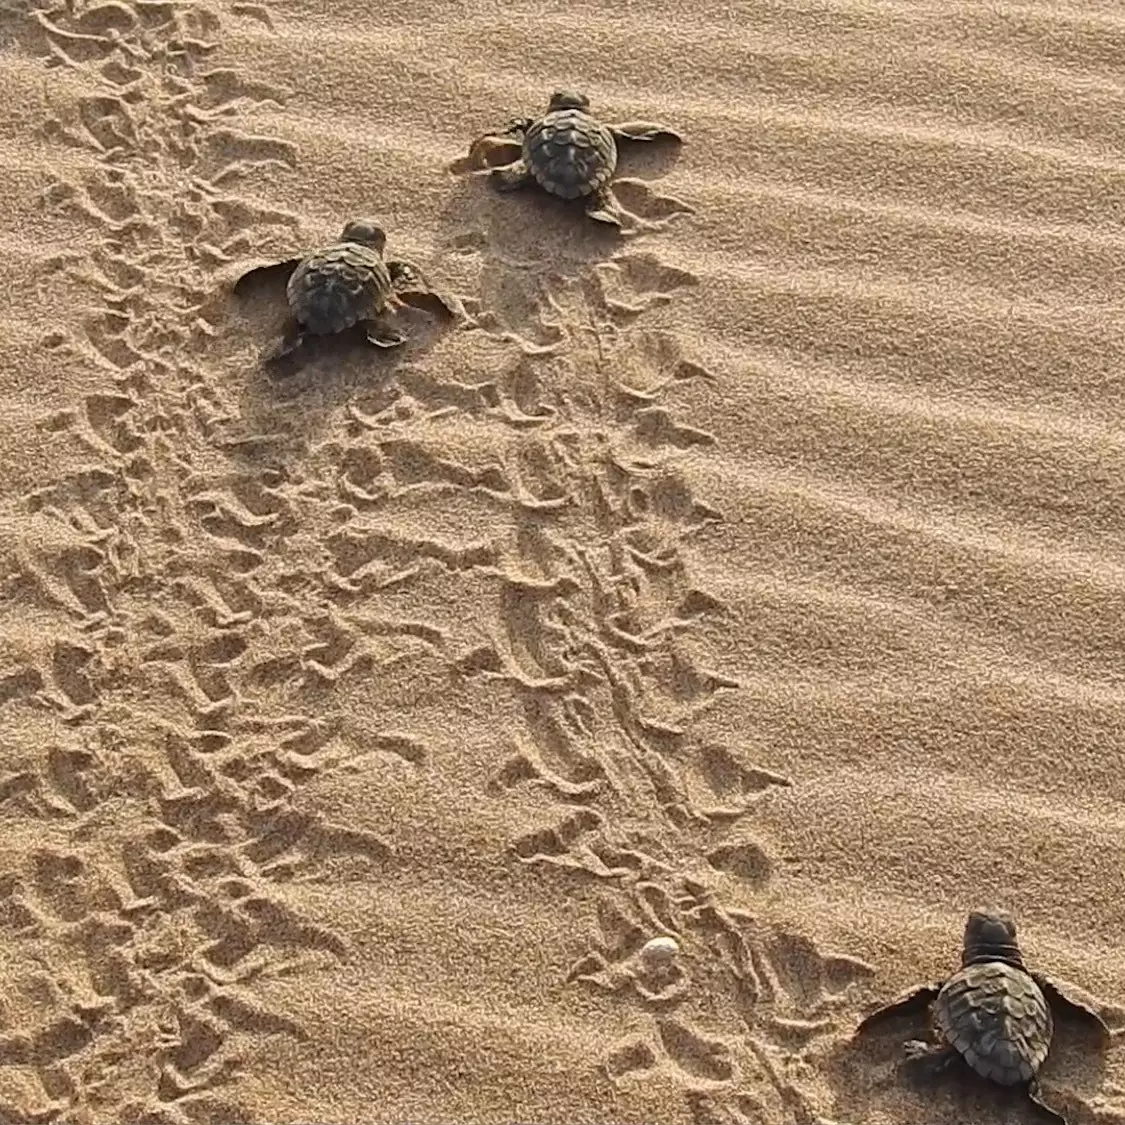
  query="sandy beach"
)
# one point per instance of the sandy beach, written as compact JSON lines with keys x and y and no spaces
{"x":756,"y":579}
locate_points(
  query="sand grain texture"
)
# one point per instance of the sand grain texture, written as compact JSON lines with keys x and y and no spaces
{"x":758,"y":580}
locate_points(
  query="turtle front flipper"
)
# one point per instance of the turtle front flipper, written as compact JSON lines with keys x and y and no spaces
{"x":914,"y":1001}
{"x":511,"y":177}
{"x":406,"y":276}
{"x":488,"y":151}
{"x":1060,"y":997}
{"x":1048,"y":1113}
{"x":644,"y":131}
{"x":381,"y":335}
{"x":281,"y":269}
{"x":410,"y":286}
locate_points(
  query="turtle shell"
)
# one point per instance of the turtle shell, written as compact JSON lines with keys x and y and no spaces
{"x":337,"y":287}
{"x":570,"y":153}
{"x":998,"y":1019}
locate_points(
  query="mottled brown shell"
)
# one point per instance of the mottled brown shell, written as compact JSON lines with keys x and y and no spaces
{"x":998,"y":1019}
{"x":337,"y":287}
{"x":570,"y":153}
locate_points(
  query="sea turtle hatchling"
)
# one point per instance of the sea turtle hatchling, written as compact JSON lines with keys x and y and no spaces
{"x":993,"y":1012}
{"x":571,"y":154}
{"x":344,"y":284}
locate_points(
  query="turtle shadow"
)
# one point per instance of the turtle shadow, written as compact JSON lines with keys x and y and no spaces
{"x":529,"y":229}
{"x":870,"y":1076}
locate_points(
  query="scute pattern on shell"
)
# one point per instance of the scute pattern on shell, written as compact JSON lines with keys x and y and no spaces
{"x":337,"y":287}
{"x":998,"y":1019}
{"x":570,"y":153}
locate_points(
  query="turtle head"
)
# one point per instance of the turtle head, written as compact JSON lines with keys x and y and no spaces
{"x":567,"y":99}
{"x":366,"y":233}
{"x":990,"y":935}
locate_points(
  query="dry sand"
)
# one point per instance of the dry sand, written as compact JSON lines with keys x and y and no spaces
{"x":758,"y":580}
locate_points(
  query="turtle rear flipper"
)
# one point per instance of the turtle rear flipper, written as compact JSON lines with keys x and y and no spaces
{"x":510,"y":177}
{"x":292,"y":337}
{"x":929,"y":1059}
{"x":914,"y":1001}
{"x":1061,"y":997}
{"x":381,"y":335}
{"x":603,"y":207}
{"x":644,"y":131}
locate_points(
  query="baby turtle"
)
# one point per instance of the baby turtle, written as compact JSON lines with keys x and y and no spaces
{"x":993,"y":1012}
{"x":571,"y":154}
{"x":344,"y":284}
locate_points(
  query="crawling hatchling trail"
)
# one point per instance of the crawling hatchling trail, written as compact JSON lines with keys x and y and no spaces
{"x":724,"y":582}
{"x":604,"y":638}
{"x":214,"y":589}
{"x":259,"y":615}
{"x":223,"y":642}
{"x":148,"y":822}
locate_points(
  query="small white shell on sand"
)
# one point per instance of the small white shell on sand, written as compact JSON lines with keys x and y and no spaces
{"x":659,"y":952}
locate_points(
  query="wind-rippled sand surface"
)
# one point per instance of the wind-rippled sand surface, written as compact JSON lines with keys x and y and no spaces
{"x":759,"y":579}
